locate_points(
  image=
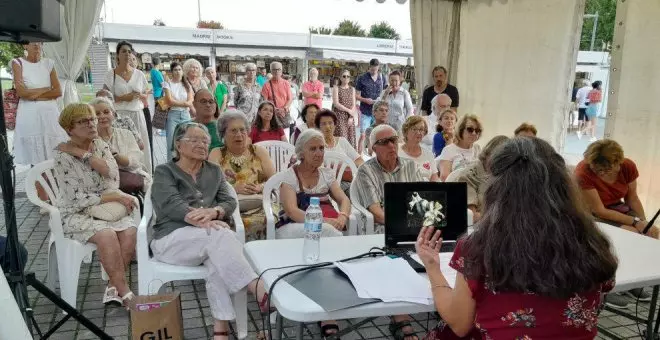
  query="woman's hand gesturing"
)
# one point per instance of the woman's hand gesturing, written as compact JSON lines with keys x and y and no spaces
{"x":428,"y":246}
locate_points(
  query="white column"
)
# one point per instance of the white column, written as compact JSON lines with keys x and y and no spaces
{"x":517,"y":63}
{"x":633,"y":110}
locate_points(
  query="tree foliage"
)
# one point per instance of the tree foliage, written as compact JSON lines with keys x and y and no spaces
{"x":159,"y":22}
{"x":350,"y":29}
{"x":9,"y":51}
{"x":320,"y":30}
{"x":210,"y":24}
{"x":383,"y":30}
{"x":604,"y":30}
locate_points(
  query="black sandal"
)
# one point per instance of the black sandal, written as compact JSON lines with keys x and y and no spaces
{"x":396,"y":328}
{"x":220,"y":334}
{"x":326,"y":330}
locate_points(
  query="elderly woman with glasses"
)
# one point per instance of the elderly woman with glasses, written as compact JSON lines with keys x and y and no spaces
{"x":464,"y":150}
{"x":246,"y":167}
{"x":123,"y":145}
{"x":413,"y":130}
{"x":193,"y":206}
{"x":380,"y":111}
{"x":247,"y":94}
{"x":88,"y":178}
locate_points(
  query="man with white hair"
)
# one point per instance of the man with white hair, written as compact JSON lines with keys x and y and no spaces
{"x":386,"y":167}
{"x":313,"y":89}
{"x":278,"y":91}
{"x":439,"y":104}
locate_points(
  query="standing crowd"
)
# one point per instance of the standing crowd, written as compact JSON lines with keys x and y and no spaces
{"x":217,"y":163}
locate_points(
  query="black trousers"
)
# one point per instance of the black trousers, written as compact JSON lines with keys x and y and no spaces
{"x":150,"y":133}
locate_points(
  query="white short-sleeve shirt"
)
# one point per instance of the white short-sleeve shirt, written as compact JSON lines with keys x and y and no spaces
{"x":177,"y":91}
{"x":343,"y":146}
{"x":425,"y":162}
{"x":119,"y":87}
{"x":326,"y":177}
{"x":458,"y":156}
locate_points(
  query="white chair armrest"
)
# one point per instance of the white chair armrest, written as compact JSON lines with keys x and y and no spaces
{"x":142,"y":240}
{"x":470,"y":218}
{"x":353,"y":222}
{"x":238,"y":223}
{"x":361,"y":212}
{"x":270,"y":222}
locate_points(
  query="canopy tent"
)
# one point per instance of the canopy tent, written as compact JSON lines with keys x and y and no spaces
{"x":197,"y":50}
{"x":262,"y":52}
{"x":79,"y":17}
{"x":365,"y":57}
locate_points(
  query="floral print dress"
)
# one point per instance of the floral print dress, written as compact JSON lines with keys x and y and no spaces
{"x":503,"y":315}
{"x":247,"y":170}
{"x":81,"y":188}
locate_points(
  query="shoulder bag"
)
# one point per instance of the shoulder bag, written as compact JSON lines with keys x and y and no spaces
{"x":160,"y":116}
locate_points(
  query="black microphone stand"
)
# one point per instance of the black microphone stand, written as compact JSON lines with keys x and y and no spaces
{"x":17,"y":279}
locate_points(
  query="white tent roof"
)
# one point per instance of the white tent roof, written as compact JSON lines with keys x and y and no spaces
{"x":259,"y":52}
{"x":200,"y":50}
{"x":366,"y":57}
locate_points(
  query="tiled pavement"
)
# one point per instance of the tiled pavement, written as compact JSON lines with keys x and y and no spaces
{"x":197,"y":321}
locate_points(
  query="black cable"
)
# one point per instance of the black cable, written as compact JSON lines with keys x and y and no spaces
{"x":306,"y":267}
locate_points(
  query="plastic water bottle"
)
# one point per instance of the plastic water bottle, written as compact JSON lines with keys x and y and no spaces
{"x":313,"y":226}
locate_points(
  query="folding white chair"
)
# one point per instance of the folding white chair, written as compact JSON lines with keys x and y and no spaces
{"x":153,"y":274}
{"x":64,"y":254}
{"x":280,"y":153}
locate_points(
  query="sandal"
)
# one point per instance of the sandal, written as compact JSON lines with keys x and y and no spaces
{"x":396,"y":328}
{"x":220,"y":334}
{"x":263,"y":305}
{"x":127,"y":300}
{"x":327,"y":330}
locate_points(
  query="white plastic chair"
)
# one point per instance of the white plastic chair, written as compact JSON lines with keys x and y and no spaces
{"x":272,"y":186}
{"x":339,"y":162}
{"x":153,"y":274}
{"x":366,"y":214}
{"x":64,"y":254}
{"x":280,"y":153}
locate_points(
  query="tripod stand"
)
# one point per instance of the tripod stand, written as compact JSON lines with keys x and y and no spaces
{"x":17,"y":279}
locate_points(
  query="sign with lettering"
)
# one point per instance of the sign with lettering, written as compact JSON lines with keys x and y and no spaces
{"x":247,"y":38}
{"x":404,"y":46}
{"x":157,"y":34}
{"x":353,"y":43}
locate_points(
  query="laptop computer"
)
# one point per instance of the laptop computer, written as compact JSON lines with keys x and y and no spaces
{"x":409,"y":206}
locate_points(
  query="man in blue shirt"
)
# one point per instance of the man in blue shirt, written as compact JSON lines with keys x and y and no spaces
{"x":368,"y":88}
{"x":157,"y":79}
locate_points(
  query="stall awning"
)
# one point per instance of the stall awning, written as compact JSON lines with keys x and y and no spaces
{"x":366,"y":57}
{"x":259,"y":52}
{"x":199,"y":50}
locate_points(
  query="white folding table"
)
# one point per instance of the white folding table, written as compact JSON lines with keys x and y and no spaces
{"x":635,"y":253}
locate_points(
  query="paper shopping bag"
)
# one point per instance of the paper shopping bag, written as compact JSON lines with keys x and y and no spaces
{"x":157,"y":317}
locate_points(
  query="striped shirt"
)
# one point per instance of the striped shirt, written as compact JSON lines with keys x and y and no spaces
{"x":371,"y":179}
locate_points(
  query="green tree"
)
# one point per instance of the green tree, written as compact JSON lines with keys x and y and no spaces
{"x":320,"y":30}
{"x":383,"y":30}
{"x":9,"y":51}
{"x":210,"y":24}
{"x":159,"y":22}
{"x":350,"y":29}
{"x":606,"y":10}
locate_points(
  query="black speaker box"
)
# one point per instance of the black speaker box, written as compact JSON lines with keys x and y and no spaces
{"x":30,"y":20}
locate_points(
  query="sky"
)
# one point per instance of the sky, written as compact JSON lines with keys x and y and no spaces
{"x":294,"y":16}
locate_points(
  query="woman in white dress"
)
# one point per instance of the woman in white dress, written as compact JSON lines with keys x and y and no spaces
{"x":37,"y":131}
{"x":414,"y":129}
{"x":128,"y":85}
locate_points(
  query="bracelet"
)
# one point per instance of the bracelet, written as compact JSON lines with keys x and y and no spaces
{"x":440,"y":286}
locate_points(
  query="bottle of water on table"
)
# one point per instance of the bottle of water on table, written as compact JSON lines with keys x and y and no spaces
{"x":313,"y":226}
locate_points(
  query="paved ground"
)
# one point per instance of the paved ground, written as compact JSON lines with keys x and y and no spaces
{"x":33,"y":233}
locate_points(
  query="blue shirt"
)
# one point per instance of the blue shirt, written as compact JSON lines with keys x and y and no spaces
{"x":438,"y":143}
{"x":157,"y":82}
{"x":369,"y":88}
{"x":261,"y":80}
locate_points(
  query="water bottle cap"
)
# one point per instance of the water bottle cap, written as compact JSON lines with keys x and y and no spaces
{"x":315,"y":201}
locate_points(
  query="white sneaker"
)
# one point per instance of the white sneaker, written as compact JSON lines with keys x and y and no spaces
{"x":579,"y":134}
{"x":110,"y":297}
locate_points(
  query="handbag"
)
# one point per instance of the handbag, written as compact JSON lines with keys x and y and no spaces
{"x":160,"y":116}
{"x":10,"y":101}
{"x":250,"y":202}
{"x":110,"y":211}
{"x":130,"y":182}
{"x":303,"y":200}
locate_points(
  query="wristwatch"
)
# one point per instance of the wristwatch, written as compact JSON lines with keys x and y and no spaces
{"x":635,"y":221}
{"x":218,"y":210}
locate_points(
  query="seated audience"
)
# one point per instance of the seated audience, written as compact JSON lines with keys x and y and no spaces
{"x":307,"y":115}
{"x":525,"y":130}
{"x":439,"y":104}
{"x":122,"y":142}
{"x":310,"y":179}
{"x":464,"y":150}
{"x":381,"y":111}
{"x":476,"y":175}
{"x":207,"y":114}
{"x":122,"y":122}
{"x":609,"y":186}
{"x":246,"y":167}
{"x":326,"y":121}
{"x":387,"y":166}
{"x":536,"y":264}
{"x":266,"y":127}
{"x":193,"y":225}
{"x":88,"y":178}
{"x":413,"y":130}
{"x":444,"y":128}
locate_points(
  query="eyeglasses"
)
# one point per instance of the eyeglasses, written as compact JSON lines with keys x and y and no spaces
{"x":87,"y":121}
{"x":250,"y":70}
{"x":345,"y":76}
{"x":419,"y":130}
{"x":207,"y":102}
{"x":276,"y":69}
{"x":241,"y":131}
{"x":385,"y":141}
{"x":202,"y":141}
{"x":473,"y":130}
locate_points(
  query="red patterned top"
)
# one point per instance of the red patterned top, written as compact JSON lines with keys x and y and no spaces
{"x":526,"y":316}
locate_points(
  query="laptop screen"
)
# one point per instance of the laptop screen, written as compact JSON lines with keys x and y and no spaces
{"x":409,"y":206}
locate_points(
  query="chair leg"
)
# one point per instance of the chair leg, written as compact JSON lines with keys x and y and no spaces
{"x":240,"y":306}
{"x":69,"y":273}
{"x":51,"y":279}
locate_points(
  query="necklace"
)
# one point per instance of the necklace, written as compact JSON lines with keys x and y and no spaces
{"x":237,"y":160}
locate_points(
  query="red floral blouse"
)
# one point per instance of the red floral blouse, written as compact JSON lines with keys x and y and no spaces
{"x":526,"y":316}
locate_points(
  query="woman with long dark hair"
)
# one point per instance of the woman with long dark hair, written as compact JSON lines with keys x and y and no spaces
{"x":536,"y":264}
{"x":265,"y":126}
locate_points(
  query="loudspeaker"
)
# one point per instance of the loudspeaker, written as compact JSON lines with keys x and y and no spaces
{"x":30,"y":20}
